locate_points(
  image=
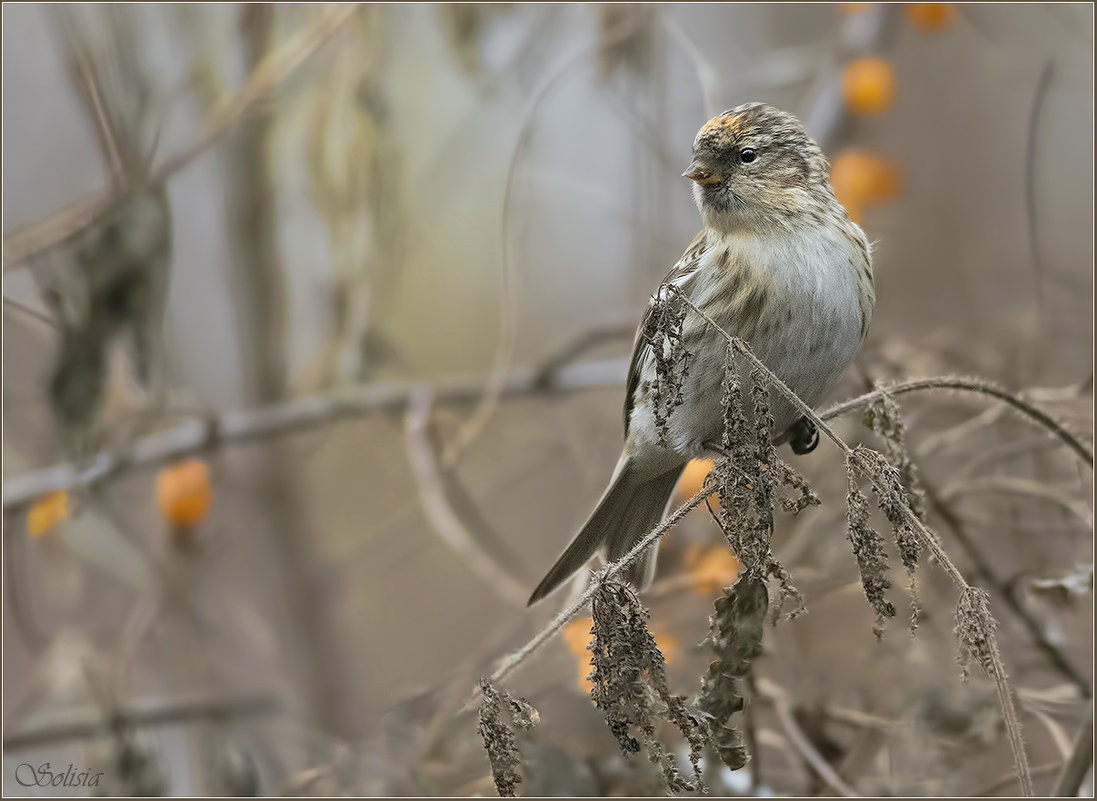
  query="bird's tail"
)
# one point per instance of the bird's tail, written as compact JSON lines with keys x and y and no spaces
{"x":631,"y":506}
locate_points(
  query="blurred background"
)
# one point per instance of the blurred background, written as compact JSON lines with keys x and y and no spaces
{"x":324,"y":313}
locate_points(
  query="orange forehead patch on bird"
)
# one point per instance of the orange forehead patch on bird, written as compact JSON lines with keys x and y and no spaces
{"x":721,"y":131}
{"x":724,"y":123}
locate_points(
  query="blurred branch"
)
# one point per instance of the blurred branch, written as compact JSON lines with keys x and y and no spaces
{"x":90,"y":721}
{"x":84,"y":74}
{"x":440,"y":512}
{"x":32,"y":239}
{"x":772,"y":692}
{"x":808,"y":751}
{"x":967,"y":385}
{"x":16,"y":590}
{"x":580,"y":344}
{"x":985,"y":573}
{"x":290,"y":416}
{"x":29,"y":311}
{"x":1019,"y":486}
{"x":495,"y":382}
{"x":1009,"y":778}
{"x":1081,"y":758}
{"x":1042,"y":85}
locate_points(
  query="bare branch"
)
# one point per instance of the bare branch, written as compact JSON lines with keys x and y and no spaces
{"x":89,"y":721}
{"x":32,"y":239}
{"x":279,"y":419}
{"x":967,"y":385}
{"x":443,"y":519}
{"x":1081,"y":758}
{"x":808,"y":751}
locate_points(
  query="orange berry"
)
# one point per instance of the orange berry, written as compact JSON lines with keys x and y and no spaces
{"x":576,"y":635}
{"x":692,"y":479}
{"x":861,"y":179}
{"x":46,"y":512}
{"x":930,"y":17}
{"x":667,"y":643}
{"x":712,"y":569}
{"x":183,"y":492}
{"x":868,"y":85}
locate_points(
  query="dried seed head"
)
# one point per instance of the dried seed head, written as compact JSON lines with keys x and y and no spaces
{"x":893,"y":499}
{"x":975,"y":631}
{"x":868,"y":549}
{"x":800,"y":495}
{"x":499,"y":740}
{"x":662,"y":332}
{"x":885,"y":418}
{"x":752,"y":472}
{"x":630,"y":684}
{"x":736,"y":636}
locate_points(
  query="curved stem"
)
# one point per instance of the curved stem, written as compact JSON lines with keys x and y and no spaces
{"x":968,"y":385}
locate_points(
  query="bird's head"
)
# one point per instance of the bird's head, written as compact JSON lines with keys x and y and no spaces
{"x":754,"y":166}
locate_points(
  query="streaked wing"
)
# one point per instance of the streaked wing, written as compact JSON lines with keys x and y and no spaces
{"x":641,"y":351}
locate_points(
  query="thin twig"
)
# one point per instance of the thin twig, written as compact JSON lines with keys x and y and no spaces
{"x":1081,"y":758}
{"x":495,"y":385}
{"x":1042,"y":85}
{"x":988,"y":576}
{"x":966,"y":385}
{"x":1009,"y":778}
{"x":1012,"y":485}
{"x":89,"y":721}
{"x":279,"y":419}
{"x":34,"y":238}
{"x":443,"y":519}
{"x":808,"y":751}
{"x":990,"y":415}
{"x":750,"y":727}
{"x":581,"y":343}
{"x":771,"y":692}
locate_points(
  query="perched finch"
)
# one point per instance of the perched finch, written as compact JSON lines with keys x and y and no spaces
{"x":778,"y":264}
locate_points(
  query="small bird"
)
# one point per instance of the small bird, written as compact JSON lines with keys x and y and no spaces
{"x":778,"y":264}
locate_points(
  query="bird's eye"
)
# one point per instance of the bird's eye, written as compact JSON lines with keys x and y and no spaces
{"x":747,"y":155}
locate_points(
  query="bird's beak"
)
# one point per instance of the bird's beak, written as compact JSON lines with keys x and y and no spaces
{"x":702,"y":175}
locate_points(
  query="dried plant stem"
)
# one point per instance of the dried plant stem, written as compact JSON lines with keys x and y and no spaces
{"x":869,"y":467}
{"x":967,"y":385}
{"x":770,"y":692}
{"x":514,"y":659}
